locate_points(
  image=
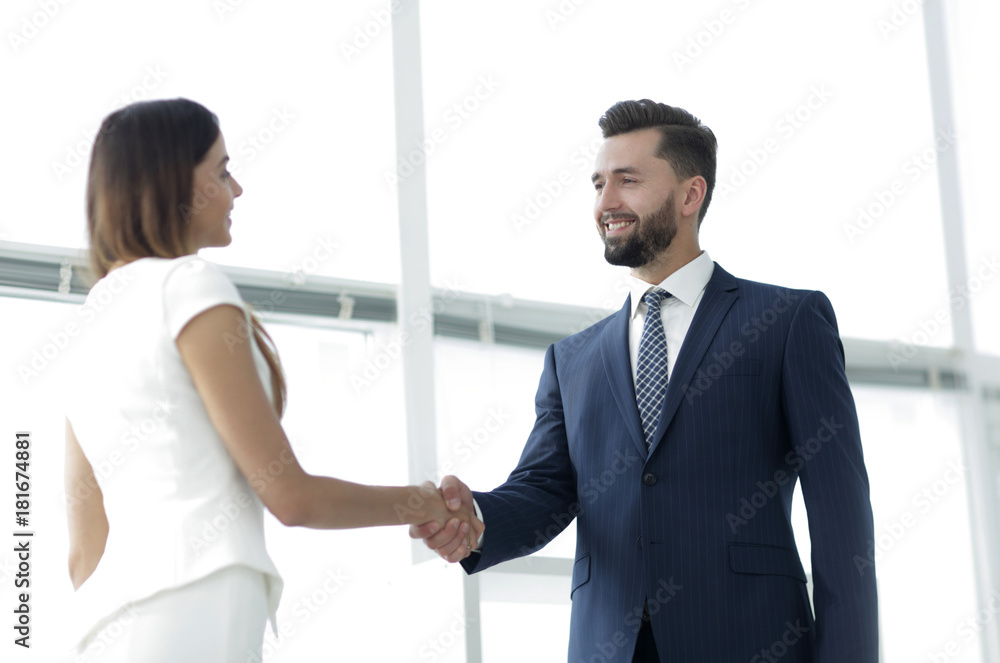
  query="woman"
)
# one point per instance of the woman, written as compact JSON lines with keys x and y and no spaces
{"x":177,"y":400}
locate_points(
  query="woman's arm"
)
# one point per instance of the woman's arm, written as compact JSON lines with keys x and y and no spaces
{"x":88,"y":524}
{"x":215,"y":348}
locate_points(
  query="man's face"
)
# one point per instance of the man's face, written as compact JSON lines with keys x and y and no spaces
{"x":634,"y":204}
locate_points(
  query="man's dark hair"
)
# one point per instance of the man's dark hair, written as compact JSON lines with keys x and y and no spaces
{"x":686,"y":143}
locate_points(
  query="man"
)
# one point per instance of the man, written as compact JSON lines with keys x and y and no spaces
{"x":695,"y":409}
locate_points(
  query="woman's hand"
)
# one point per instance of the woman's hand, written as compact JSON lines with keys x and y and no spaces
{"x":456,"y":535}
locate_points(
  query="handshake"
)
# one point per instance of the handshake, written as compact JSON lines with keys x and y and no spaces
{"x":454,"y":530}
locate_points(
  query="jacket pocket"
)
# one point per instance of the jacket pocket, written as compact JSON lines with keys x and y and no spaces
{"x":765,"y":560}
{"x":581,"y":574}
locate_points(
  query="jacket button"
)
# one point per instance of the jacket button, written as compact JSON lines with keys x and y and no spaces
{"x":639,"y":542}
{"x":649,"y":478}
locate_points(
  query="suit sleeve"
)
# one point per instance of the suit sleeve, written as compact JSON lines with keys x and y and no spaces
{"x":823,"y":424}
{"x":538,"y":500}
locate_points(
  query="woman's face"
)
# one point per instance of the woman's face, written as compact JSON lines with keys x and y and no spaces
{"x":214,"y":192}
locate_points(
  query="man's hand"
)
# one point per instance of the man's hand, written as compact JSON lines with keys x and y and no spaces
{"x":459,"y":536}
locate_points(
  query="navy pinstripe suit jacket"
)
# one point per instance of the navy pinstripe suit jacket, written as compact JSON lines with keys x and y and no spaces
{"x":698,"y":529}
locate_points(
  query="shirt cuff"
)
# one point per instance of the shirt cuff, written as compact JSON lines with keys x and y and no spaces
{"x":479,"y":514}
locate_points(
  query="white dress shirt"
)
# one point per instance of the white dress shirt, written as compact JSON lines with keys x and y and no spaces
{"x":687,"y":285}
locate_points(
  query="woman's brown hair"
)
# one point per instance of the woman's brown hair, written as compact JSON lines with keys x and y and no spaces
{"x":140,"y":188}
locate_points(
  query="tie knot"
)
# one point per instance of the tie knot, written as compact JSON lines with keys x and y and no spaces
{"x":654,"y":297}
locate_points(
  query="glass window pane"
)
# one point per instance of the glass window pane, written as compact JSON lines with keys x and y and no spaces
{"x":975,"y":59}
{"x":832,"y":128}
{"x":923,"y":539}
{"x":330,"y":424}
{"x":486,"y":409}
{"x":307,"y":117}
{"x":542,"y":630}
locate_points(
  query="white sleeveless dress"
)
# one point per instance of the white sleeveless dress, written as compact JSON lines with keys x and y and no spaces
{"x":185,"y":574}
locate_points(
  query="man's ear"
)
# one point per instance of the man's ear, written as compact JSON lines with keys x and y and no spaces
{"x":695,"y":189}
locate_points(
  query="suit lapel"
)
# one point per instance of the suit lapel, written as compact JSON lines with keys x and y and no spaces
{"x":618,"y":367}
{"x":720,"y":294}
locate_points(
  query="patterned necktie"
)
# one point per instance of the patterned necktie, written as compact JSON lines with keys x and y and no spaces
{"x":651,"y":376}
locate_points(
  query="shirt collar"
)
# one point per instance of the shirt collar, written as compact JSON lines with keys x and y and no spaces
{"x":685,"y":284}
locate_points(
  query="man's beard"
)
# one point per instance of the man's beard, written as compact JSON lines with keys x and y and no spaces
{"x":651,"y":238}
